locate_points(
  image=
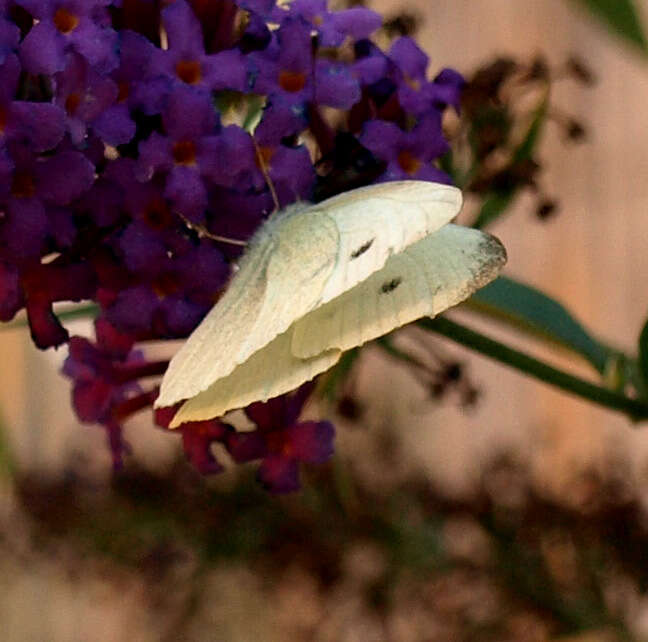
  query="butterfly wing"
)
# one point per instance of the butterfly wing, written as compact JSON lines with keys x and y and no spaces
{"x":378,"y":221}
{"x":299,"y":260}
{"x":269,"y":372}
{"x":281,"y":277}
{"x":426,"y":278}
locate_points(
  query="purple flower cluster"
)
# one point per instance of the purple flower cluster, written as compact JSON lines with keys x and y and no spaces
{"x":133,"y":132}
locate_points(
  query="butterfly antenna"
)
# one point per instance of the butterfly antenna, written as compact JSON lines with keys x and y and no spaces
{"x":264,"y":170}
{"x":203,"y":231}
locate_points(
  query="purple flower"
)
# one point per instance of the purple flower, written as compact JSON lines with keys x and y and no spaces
{"x":85,"y":96}
{"x":416,"y":94}
{"x":236,"y":215}
{"x":334,"y":26}
{"x":263,"y":8}
{"x":186,"y":62}
{"x":140,"y":87}
{"x":281,"y":441}
{"x":447,"y":87}
{"x":408,"y":155}
{"x":287,"y":71}
{"x":233,"y":161}
{"x":372,"y":64}
{"x":136,"y":88}
{"x":133,"y":310}
{"x":67,"y":25}
{"x":125,"y":228}
{"x":9,"y":34}
{"x":171,"y":295}
{"x":185,"y":154}
{"x":36,"y":186}
{"x":289,"y":166}
{"x":40,"y":125}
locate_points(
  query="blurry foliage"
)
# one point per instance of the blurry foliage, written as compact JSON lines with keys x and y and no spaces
{"x":554,"y":561}
{"x":620,"y":17}
{"x":505,"y":106}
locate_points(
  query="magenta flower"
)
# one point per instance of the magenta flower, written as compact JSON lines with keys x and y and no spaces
{"x":104,"y":388}
{"x":281,"y":442}
{"x":197,"y":439}
{"x":11,"y":299}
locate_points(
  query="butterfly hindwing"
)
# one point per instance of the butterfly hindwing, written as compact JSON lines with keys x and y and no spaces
{"x":300,"y":266}
{"x":269,"y":372}
{"x":428,"y":277}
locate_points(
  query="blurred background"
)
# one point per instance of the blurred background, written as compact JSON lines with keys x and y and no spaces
{"x":519,"y":514}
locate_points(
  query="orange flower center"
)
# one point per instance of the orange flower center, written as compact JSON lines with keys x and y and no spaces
{"x":184,"y":152}
{"x":22,"y":185}
{"x":292,"y":81}
{"x":408,"y":162}
{"x":72,"y":103}
{"x":65,"y":21}
{"x":189,"y":71}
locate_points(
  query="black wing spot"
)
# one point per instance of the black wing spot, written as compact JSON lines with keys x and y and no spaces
{"x":390,"y":286}
{"x":362,"y":249}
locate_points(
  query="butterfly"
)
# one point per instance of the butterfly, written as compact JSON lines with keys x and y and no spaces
{"x":316,"y":280}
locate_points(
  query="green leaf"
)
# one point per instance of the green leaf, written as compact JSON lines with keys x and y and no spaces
{"x":496,"y":203}
{"x":643,"y":353}
{"x":621,"y":17}
{"x":535,"y":312}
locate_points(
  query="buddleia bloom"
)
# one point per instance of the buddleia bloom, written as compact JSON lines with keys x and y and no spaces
{"x":135,"y":135}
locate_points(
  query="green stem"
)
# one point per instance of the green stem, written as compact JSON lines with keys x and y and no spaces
{"x":635,"y":408}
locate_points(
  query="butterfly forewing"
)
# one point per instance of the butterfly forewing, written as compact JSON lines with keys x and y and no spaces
{"x":281,"y":278}
{"x":214,"y":347}
{"x":380,"y":220}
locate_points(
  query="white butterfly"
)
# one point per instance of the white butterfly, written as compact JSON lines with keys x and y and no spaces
{"x":317,"y":280}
